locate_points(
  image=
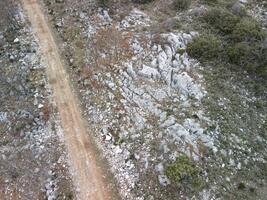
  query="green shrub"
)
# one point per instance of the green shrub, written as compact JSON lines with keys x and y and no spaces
{"x":243,"y":39}
{"x":262,"y":71}
{"x":184,"y":170}
{"x":250,"y":56}
{"x":221,"y":19}
{"x":248,"y":29}
{"x":182,"y":4}
{"x":241,"y":186}
{"x":205,"y":47}
{"x":241,"y":53}
{"x":142,"y":1}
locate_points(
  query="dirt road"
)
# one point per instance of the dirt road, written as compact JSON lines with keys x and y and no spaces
{"x":88,"y":175}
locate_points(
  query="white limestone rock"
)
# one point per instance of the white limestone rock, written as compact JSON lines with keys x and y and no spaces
{"x":149,"y":72}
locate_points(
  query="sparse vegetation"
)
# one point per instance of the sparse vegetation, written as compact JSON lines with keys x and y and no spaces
{"x":142,"y":1}
{"x":182,"y":4}
{"x":237,"y":75}
{"x":210,"y":2}
{"x":113,"y":45}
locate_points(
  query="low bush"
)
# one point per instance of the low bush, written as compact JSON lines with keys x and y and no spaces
{"x":261,"y":71}
{"x":181,"y":4}
{"x":242,"y":37}
{"x":103,"y":3}
{"x":248,"y":30}
{"x":250,"y":56}
{"x":241,"y":53}
{"x":205,"y":47}
{"x":221,"y":19}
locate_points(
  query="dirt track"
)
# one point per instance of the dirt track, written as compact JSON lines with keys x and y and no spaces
{"x":88,"y":176}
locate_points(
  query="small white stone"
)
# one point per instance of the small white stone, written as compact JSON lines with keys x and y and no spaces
{"x":118,"y":150}
{"x":108,"y":137}
{"x":3,"y":116}
{"x":159,"y":168}
{"x":149,"y":72}
{"x":239,"y":166}
{"x":136,"y":156}
{"x":243,"y":1}
{"x":163,"y":180}
{"x":16,"y":40}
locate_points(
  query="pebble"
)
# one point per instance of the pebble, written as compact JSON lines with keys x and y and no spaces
{"x":118,"y":150}
{"x":16,"y":40}
{"x":40,"y":106}
{"x":108,"y":138}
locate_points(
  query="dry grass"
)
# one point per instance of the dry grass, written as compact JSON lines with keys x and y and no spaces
{"x":112,"y":46}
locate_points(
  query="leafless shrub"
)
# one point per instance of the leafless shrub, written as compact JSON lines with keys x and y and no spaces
{"x":111,"y":47}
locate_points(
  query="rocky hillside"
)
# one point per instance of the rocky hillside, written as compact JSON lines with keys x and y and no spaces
{"x":174,"y":91}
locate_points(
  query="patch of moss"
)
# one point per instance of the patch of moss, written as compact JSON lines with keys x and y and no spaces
{"x":184,"y":172}
{"x":181,"y":51}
